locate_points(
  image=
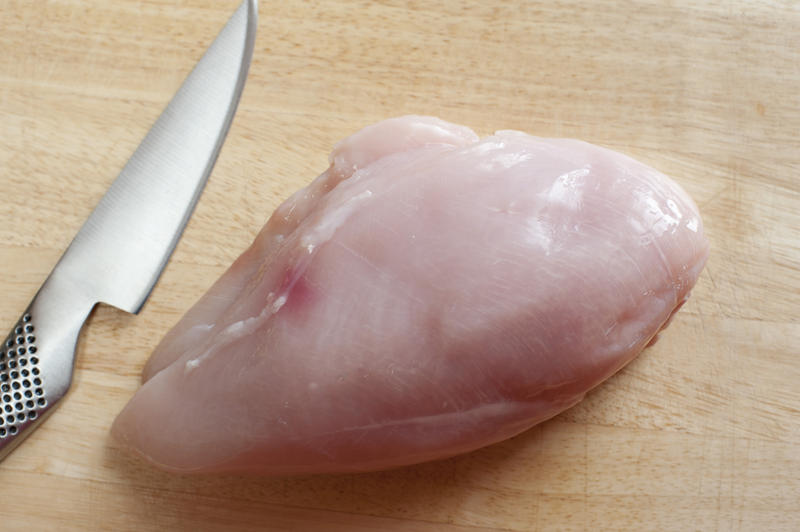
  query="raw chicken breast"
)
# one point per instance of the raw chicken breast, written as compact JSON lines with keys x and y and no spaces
{"x":429,"y":294}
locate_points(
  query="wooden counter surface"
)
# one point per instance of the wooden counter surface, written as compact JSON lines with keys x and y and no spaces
{"x":702,"y":432}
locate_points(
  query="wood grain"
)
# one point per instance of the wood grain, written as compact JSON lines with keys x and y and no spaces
{"x":702,"y":432}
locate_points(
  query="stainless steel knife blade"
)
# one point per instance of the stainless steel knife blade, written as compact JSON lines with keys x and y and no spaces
{"x":122,"y":248}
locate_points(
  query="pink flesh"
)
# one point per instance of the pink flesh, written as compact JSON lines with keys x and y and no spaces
{"x":429,"y":294}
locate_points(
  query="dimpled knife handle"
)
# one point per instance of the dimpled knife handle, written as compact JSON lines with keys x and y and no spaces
{"x":23,"y":399}
{"x":36,"y":361}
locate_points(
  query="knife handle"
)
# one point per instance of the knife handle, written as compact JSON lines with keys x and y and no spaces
{"x":36,"y":360}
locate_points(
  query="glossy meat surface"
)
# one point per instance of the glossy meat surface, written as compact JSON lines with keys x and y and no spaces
{"x":429,"y":294}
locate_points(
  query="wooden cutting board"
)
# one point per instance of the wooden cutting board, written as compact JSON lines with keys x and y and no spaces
{"x":702,"y":432}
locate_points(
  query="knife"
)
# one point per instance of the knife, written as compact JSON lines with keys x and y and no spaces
{"x":122,"y":248}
